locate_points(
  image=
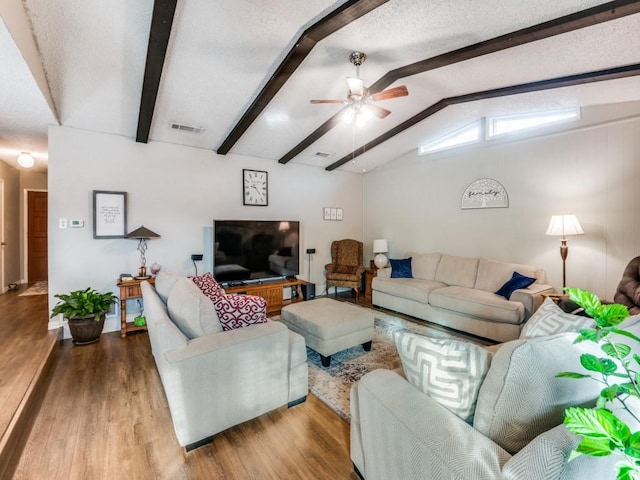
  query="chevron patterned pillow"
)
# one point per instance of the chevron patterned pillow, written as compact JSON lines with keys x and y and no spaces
{"x":449,"y":371}
{"x":549,"y":319}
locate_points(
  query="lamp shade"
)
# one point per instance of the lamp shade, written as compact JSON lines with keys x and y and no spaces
{"x":380,"y":246}
{"x":142,"y":232}
{"x":563,"y":225}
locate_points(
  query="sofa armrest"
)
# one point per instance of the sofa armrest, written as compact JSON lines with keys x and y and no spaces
{"x":531,"y":297}
{"x":405,"y":434}
{"x":547,"y":457}
{"x":384,"y":272}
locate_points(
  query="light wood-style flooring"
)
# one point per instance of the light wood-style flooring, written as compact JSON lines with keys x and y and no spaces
{"x":104,"y":416}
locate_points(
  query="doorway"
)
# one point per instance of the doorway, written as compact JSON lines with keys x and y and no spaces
{"x":37,"y":240}
{"x":2,"y":241}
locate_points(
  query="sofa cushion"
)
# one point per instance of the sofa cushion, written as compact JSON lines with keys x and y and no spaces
{"x":401,"y":268}
{"x":410,"y":288}
{"x":449,"y":371}
{"x":460,"y":271}
{"x":192,"y":312}
{"x":165,"y":282}
{"x":424,"y":265}
{"x":208,"y":285}
{"x":492,"y":274}
{"x":237,"y":311}
{"x":549,"y":319}
{"x":521,"y":396}
{"x":478,"y":303}
{"x":516,"y":282}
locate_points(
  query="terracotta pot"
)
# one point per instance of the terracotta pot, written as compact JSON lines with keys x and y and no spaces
{"x":86,"y":330}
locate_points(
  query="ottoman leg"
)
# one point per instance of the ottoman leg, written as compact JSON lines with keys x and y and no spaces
{"x":326,"y":361}
{"x":367,"y":346}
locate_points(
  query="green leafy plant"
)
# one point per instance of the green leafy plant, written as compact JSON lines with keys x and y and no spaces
{"x":83,"y":303}
{"x":603,"y":432}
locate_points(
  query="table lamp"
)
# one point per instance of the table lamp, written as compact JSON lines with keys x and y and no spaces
{"x":142,"y":234}
{"x":380,"y":247}
{"x":563,"y":225}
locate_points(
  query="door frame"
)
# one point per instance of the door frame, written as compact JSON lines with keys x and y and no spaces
{"x":25,"y":229}
{"x":3,"y":286}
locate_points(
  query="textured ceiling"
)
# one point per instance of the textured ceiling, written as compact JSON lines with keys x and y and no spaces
{"x":81,"y":64}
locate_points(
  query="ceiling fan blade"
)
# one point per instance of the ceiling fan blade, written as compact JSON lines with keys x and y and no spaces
{"x":395,"y":92}
{"x":326,"y":101}
{"x":356,"y":86}
{"x":378,"y":111}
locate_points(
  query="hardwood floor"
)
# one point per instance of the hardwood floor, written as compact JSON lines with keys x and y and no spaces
{"x":104,"y":415}
{"x":27,"y":356}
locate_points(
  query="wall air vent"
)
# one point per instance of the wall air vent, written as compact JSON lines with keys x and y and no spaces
{"x":186,"y":128}
{"x":322,"y":154}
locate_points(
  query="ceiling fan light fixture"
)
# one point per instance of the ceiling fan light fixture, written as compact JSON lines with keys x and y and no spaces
{"x":25,"y":160}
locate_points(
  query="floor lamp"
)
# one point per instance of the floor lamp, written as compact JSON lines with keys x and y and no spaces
{"x":564,"y":225}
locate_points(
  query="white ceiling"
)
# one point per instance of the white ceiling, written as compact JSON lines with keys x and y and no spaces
{"x":81,"y":63}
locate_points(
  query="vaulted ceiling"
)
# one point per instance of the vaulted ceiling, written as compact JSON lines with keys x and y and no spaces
{"x":243,"y":71}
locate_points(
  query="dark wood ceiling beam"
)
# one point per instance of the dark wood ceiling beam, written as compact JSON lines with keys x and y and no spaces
{"x":161,"y":22}
{"x":568,"y":81}
{"x":575,"y":21}
{"x":338,"y":18}
{"x":584,"y":18}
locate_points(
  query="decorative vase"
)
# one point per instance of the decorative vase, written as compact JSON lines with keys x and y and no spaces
{"x":86,"y":330}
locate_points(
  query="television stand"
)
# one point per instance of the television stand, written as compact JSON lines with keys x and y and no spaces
{"x":271,"y":291}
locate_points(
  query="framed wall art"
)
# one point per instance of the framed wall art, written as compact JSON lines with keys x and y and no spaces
{"x":109,"y":214}
{"x":485,"y":193}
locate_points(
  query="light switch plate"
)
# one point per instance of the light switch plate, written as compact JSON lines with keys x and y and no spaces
{"x":63,"y":223}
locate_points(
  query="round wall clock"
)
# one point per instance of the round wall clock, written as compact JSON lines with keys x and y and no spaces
{"x":255,"y":187}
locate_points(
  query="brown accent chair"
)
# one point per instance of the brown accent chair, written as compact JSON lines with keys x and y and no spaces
{"x":346,"y":267}
{"x":628,"y":291}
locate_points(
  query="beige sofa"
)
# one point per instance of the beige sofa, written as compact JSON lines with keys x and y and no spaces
{"x":458,"y":292}
{"x":397,"y":431}
{"x":222,"y":378}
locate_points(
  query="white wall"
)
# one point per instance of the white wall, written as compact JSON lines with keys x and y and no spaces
{"x":414,"y":202}
{"x":177,"y":192}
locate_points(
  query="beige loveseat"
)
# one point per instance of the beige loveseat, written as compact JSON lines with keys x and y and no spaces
{"x":458,"y":292}
{"x":221,"y":378}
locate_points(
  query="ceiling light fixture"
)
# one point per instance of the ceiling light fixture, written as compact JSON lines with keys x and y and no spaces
{"x":25,"y":160}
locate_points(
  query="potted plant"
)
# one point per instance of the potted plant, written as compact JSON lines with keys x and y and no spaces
{"x":602,"y":430}
{"x":85,"y":311}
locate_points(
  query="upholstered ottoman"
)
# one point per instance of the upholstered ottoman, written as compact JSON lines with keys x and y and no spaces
{"x":329,"y":326}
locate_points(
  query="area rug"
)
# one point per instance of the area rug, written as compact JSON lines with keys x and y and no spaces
{"x":38,"y":288}
{"x":332,"y":385}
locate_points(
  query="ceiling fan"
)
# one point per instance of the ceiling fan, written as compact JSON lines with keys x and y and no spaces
{"x":358,"y":97}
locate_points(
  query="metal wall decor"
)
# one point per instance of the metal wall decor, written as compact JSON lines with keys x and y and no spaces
{"x":485,"y":193}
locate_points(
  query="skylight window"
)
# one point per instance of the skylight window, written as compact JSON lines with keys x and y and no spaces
{"x":468,"y":134}
{"x":514,"y":123}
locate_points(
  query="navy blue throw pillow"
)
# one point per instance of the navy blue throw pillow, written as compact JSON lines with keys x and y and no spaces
{"x":401,"y":268}
{"x":517,"y":281}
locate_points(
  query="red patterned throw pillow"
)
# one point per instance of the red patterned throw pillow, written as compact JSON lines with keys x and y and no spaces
{"x":208,"y":285}
{"x":234,"y":311}
{"x":237,"y":311}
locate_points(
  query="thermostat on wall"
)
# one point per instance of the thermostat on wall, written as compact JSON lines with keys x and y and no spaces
{"x":76,"y":223}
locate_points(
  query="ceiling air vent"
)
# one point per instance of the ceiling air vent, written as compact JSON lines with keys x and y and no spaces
{"x":186,"y":128}
{"x":322,"y":154}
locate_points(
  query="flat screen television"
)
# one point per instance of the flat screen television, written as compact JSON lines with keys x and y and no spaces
{"x":245,"y":250}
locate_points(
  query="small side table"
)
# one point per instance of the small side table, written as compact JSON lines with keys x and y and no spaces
{"x":130,"y":289}
{"x":556,"y":297}
{"x":369,"y":275}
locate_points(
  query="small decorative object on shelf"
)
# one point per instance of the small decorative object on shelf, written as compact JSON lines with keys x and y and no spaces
{"x":155,"y":269}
